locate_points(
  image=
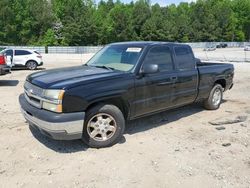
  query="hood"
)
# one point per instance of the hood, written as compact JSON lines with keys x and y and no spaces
{"x":64,"y":78}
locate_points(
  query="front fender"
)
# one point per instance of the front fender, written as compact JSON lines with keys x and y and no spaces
{"x":81,"y":103}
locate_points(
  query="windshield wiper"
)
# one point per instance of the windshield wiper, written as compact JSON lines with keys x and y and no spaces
{"x":103,"y":66}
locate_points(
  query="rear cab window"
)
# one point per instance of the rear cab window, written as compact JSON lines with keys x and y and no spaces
{"x":184,"y":58}
{"x":22,"y":52}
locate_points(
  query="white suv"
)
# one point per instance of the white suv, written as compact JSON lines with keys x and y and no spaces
{"x":28,"y":58}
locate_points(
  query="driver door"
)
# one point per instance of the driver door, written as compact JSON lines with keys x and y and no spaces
{"x":155,"y":92}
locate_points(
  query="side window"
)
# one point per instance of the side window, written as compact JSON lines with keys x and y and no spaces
{"x":22,"y":52}
{"x":9,"y":52}
{"x":184,"y":58}
{"x":160,"y":55}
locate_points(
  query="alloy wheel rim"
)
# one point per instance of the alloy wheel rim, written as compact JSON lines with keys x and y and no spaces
{"x":217,"y":97}
{"x":32,"y":66}
{"x":101,"y":127}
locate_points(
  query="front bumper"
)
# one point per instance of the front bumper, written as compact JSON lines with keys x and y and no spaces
{"x":65,"y":126}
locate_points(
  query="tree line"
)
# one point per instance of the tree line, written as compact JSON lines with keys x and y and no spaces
{"x":82,"y":22}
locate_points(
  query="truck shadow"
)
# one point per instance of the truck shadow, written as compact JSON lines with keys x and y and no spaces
{"x":24,"y":68}
{"x":69,"y":146}
{"x":132,"y":127}
{"x":9,"y":82}
{"x":159,"y":119}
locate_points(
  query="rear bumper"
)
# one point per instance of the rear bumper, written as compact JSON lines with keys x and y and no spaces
{"x":4,"y":69}
{"x":41,"y":64}
{"x":68,"y":126}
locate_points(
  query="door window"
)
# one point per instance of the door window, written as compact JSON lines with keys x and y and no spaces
{"x":21,"y":52}
{"x":160,"y":55}
{"x":9,"y":52}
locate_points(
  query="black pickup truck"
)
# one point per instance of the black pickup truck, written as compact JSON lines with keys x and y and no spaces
{"x":123,"y":81}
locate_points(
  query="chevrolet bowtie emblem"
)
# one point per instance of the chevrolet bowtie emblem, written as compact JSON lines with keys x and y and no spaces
{"x":31,"y":91}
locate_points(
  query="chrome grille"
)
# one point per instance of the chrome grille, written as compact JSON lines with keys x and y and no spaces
{"x":33,"y":94}
{"x":35,"y":89}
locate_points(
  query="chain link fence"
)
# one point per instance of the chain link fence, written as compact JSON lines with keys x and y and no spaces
{"x":73,"y":49}
{"x":209,"y":44}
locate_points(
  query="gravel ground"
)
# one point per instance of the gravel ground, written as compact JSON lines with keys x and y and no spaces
{"x":185,"y":147}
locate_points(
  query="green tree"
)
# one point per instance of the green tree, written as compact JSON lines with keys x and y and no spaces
{"x":7,"y":28}
{"x":119,"y":21}
{"x":140,"y":14}
{"x":82,"y":22}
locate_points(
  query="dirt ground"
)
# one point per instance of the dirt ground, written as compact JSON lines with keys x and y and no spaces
{"x":177,"y":148}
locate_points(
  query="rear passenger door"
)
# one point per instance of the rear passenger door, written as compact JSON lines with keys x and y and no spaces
{"x":21,"y":57}
{"x":154,"y":92}
{"x":186,"y":88}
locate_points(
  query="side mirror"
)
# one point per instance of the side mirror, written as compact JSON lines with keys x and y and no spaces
{"x":150,"y":69}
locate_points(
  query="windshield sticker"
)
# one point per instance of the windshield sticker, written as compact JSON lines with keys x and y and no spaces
{"x":133,"y":50}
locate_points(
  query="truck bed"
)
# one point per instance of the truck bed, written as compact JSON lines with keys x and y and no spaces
{"x":209,"y":72}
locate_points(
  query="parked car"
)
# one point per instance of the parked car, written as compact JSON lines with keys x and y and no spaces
{"x":24,"y":58}
{"x":123,"y":81}
{"x":221,"y":45}
{"x":247,"y":48}
{"x":4,"y":68}
{"x":210,"y":48}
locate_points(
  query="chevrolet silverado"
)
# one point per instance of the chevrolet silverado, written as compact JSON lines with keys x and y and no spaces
{"x":123,"y":81}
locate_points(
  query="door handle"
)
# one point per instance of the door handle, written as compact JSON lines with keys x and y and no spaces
{"x":174,"y":78}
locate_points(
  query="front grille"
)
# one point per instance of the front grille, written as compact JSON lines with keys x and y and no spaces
{"x":33,"y":94}
{"x":35,"y":89}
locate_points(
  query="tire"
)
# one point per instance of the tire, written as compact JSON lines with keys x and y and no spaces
{"x":106,"y":123}
{"x":215,"y":97}
{"x":31,"y":65}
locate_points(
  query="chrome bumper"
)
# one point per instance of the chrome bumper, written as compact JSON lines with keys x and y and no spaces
{"x":56,"y":126}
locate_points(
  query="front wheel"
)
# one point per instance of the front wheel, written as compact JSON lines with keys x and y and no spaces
{"x":104,"y":126}
{"x":215,"y":97}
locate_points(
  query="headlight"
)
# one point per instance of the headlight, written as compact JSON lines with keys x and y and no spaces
{"x":54,"y":94}
{"x":53,"y":100}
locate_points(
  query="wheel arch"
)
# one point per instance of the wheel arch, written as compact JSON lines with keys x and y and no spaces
{"x":222,"y":82}
{"x":119,"y":102}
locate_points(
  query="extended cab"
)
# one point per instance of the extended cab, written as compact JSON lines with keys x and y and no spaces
{"x":121,"y":82}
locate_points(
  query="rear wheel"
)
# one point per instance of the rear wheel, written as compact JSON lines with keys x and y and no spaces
{"x":104,"y":126}
{"x":31,"y":65}
{"x":215,"y":97}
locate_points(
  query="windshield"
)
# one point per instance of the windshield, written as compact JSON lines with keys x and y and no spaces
{"x":119,"y":57}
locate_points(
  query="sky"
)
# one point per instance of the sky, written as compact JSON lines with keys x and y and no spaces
{"x":160,"y":2}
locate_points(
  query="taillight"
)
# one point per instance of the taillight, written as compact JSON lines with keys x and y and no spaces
{"x":2,"y":60}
